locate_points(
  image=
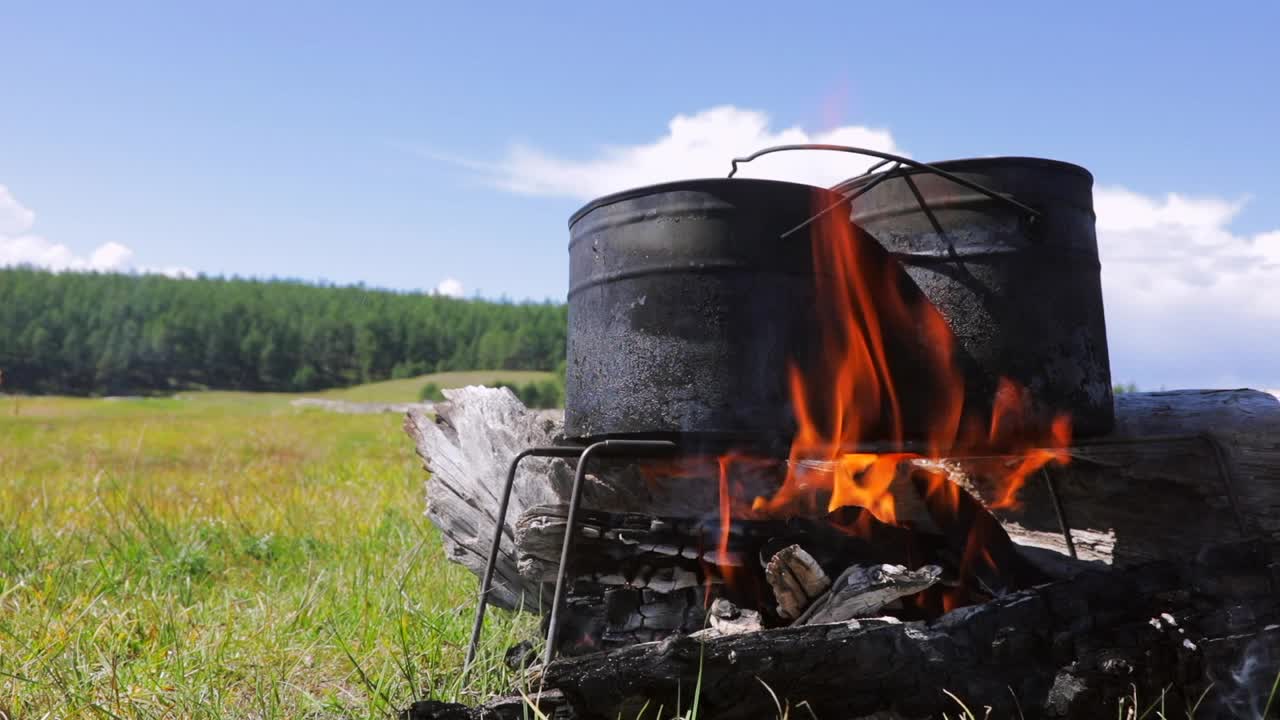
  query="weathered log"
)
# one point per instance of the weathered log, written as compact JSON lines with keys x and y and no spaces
{"x":1153,"y":489}
{"x":1181,"y":470}
{"x":467,"y":448}
{"x":1064,"y":650}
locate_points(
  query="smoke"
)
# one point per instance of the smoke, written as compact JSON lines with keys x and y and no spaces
{"x":1245,"y":689}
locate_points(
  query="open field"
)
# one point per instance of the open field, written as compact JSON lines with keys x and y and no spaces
{"x":223,"y":555}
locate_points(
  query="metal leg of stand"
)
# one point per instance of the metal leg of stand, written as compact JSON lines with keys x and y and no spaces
{"x":486,"y":582}
{"x":1060,"y":511}
{"x":553,"y":628}
{"x":637,"y":447}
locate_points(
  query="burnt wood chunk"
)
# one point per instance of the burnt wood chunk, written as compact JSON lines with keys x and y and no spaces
{"x":729,"y":619}
{"x":797,"y":580}
{"x":865,"y":590}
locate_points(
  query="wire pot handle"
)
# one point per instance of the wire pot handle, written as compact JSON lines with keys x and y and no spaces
{"x":886,"y":158}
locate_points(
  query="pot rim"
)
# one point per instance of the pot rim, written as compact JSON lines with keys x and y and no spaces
{"x":972,"y":164}
{"x":675,"y":185}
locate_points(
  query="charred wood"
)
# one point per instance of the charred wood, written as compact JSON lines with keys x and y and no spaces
{"x":865,"y":590}
{"x":797,"y":580}
{"x":1065,"y":650}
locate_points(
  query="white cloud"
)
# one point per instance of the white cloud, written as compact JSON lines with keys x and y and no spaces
{"x":1187,"y":297}
{"x":110,"y":255}
{"x":694,"y":146}
{"x":1189,"y":301}
{"x":18,"y":246}
{"x":39,"y":252}
{"x":450,"y":287}
{"x":14,"y":218}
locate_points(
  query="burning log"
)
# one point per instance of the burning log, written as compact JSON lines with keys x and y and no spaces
{"x":1154,"y":489}
{"x":1184,"y":471}
{"x":1064,"y":650}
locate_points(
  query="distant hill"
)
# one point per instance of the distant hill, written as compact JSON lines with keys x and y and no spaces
{"x":90,"y":333}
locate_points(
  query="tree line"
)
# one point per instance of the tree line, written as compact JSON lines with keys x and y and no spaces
{"x":95,"y":333}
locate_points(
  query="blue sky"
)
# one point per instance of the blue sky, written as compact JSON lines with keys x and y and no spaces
{"x":402,"y":144}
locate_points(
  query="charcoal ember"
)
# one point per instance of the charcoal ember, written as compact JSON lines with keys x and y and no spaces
{"x":659,"y":574}
{"x":597,"y":617}
{"x":1062,"y":650}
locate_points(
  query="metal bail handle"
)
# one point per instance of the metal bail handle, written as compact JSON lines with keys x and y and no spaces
{"x":1032,"y":213}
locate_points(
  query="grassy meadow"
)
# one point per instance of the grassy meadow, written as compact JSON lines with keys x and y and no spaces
{"x":226,"y":555}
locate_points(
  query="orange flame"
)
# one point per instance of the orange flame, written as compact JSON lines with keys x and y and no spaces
{"x":726,"y":520}
{"x":887,"y":372}
{"x":850,"y":396}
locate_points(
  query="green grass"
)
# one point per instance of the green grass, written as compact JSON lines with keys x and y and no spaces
{"x":406,"y":390}
{"x":223,"y":555}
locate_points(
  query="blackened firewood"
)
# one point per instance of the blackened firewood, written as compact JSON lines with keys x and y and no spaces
{"x":520,"y":656}
{"x":596,"y":617}
{"x":987,"y":558}
{"x":1066,"y":649}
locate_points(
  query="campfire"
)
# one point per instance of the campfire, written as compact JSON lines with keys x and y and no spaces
{"x":793,"y":409}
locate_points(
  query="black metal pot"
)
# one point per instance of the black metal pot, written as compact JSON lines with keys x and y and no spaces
{"x":1020,"y":291}
{"x":687,"y":305}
